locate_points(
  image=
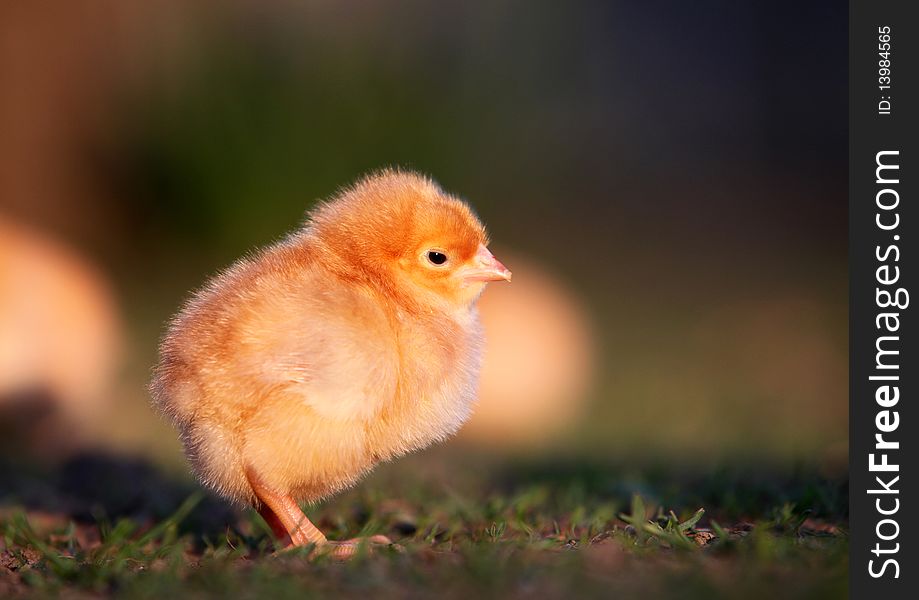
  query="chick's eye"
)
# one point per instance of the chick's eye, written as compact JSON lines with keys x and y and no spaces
{"x":436,"y":258}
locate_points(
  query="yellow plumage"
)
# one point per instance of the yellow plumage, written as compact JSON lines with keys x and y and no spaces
{"x":294,"y":372}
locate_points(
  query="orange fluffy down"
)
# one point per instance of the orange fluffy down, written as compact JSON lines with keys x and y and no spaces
{"x":314,"y":359}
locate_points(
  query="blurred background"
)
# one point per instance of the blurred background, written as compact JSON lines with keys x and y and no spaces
{"x":667,"y":182}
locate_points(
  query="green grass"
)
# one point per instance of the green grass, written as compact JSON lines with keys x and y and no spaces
{"x":552,"y":531}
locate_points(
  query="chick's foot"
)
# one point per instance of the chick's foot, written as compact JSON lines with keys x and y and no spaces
{"x":346,"y":549}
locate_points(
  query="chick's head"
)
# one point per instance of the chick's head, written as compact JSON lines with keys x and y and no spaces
{"x":446,"y":254}
{"x":402,"y":231}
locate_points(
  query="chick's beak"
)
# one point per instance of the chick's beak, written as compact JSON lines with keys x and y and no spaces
{"x":485,"y":267}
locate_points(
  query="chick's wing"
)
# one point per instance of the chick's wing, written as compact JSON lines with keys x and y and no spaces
{"x":327,"y":343}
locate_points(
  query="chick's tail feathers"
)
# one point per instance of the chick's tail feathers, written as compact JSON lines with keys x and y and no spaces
{"x":211,"y":444}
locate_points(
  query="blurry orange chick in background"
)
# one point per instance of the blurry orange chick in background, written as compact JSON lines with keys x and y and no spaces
{"x":354,"y":340}
{"x":61,"y":338}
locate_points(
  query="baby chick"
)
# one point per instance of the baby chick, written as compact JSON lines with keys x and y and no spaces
{"x":352,"y":341}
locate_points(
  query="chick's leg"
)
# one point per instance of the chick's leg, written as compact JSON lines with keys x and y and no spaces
{"x":277,"y":528}
{"x":283,"y":515}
